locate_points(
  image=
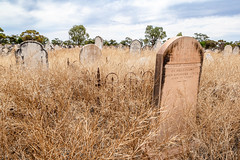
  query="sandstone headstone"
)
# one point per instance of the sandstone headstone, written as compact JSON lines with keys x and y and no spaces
{"x":99,"y":42}
{"x":236,"y":50}
{"x":89,"y":53}
{"x":135,"y":47}
{"x":227,"y":50}
{"x":176,"y":82}
{"x":32,"y":54}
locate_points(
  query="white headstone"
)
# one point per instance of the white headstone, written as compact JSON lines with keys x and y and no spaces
{"x":99,"y":42}
{"x":90,"y":53}
{"x":135,"y":47}
{"x":209,"y":57}
{"x":32,"y":54}
{"x":236,"y":50}
{"x":227,"y":50}
{"x":157,"y":45}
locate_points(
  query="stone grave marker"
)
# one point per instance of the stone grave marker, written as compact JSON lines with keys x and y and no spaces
{"x":49,"y":47}
{"x":135,"y":46}
{"x":90,"y":53}
{"x":32,"y":54}
{"x":209,"y":57}
{"x":236,"y":50}
{"x":157,"y":45}
{"x":227,"y":50}
{"x":176,"y":82}
{"x":99,"y":42}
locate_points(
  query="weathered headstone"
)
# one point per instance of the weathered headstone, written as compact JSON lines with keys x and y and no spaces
{"x":209,"y":57}
{"x":236,"y":50}
{"x":90,"y":53}
{"x":177,"y":75}
{"x":49,"y":47}
{"x":227,"y":50}
{"x":135,"y":46}
{"x":99,"y":42}
{"x":157,"y":45}
{"x":32,"y":54}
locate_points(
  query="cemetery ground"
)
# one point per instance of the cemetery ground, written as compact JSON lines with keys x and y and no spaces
{"x":72,"y":111}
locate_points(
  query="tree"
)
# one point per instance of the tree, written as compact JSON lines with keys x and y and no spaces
{"x":126,"y":42}
{"x":78,"y":34}
{"x":89,"y":41}
{"x":201,"y":37}
{"x":152,"y":34}
{"x":179,"y":34}
{"x":57,"y":41}
{"x":3,"y":37}
{"x":32,"y":35}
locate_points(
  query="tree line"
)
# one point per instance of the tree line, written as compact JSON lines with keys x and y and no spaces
{"x":79,"y":36}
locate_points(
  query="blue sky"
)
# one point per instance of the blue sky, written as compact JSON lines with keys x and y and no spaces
{"x":117,"y":19}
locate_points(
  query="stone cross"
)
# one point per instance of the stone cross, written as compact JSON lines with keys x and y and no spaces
{"x":177,"y":75}
{"x":227,"y":50}
{"x":32,"y":54}
{"x":236,"y":50}
{"x":99,"y":42}
{"x":89,"y":53}
{"x":135,"y":46}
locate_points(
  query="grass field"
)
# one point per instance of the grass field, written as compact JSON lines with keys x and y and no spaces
{"x":74,"y":112}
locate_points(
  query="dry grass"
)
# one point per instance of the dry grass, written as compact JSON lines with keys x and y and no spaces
{"x":68,"y":112}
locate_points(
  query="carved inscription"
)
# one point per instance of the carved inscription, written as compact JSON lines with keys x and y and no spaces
{"x":182,"y":72}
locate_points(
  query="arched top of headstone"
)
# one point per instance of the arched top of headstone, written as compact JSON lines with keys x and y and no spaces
{"x":135,"y":46}
{"x":99,"y":42}
{"x":181,"y":50}
{"x":236,"y":50}
{"x":90,"y":53}
{"x":227,"y":50}
{"x":31,"y":53}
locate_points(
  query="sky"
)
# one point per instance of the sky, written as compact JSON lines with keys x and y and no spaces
{"x":118,"y":19}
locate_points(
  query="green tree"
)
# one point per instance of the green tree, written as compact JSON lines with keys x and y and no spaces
{"x":126,"y":42}
{"x":57,"y":41}
{"x":3,"y":37}
{"x":78,"y":34}
{"x":32,"y":35}
{"x":152,"y":34}
{"x":201,"y":37}
{"x":179,"y":34}
{"x":89,"y":41}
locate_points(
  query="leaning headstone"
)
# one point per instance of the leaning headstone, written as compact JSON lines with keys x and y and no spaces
{"x":90,"y":53}
{"x":99,"y":42}
{"x":32,"y":54}
{"x":177,"y":75}
{"x":227,"y":50}
{"x":135,"y":47}
{"x":236,"y":50}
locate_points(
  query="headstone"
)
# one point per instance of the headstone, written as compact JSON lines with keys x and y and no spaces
{"x":176,"y":82}
{"x":57,"y":47}
{"x":99,"y":42}
{"x":216,"y":50}
{"x":90,"y":53}
{"x":236,"y":50}
{"x":49,"y":47}
{"x":135,"y":47}
{"x":209,"y":57}
{"x":32,"y":54}
{"x":157,"y":45}
{"x":227,"y":50}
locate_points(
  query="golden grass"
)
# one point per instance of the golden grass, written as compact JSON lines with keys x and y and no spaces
{"x":68,"y":112}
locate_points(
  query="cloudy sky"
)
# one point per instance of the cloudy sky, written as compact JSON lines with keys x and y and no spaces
{"x":117,"y":19}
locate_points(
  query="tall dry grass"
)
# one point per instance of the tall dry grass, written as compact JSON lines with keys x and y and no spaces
{"x":74,"y":112}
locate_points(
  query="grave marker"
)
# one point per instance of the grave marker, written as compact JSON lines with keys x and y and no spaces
{"x":157,"y":45}
{"x":90,"y":53}
{"x":32,"y":54}
{"x":135,"y":47}
{"x":99,"y":42}
{"x":236,"y":50}
{"x":177,"y":76}
{"x":227,"y":50}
